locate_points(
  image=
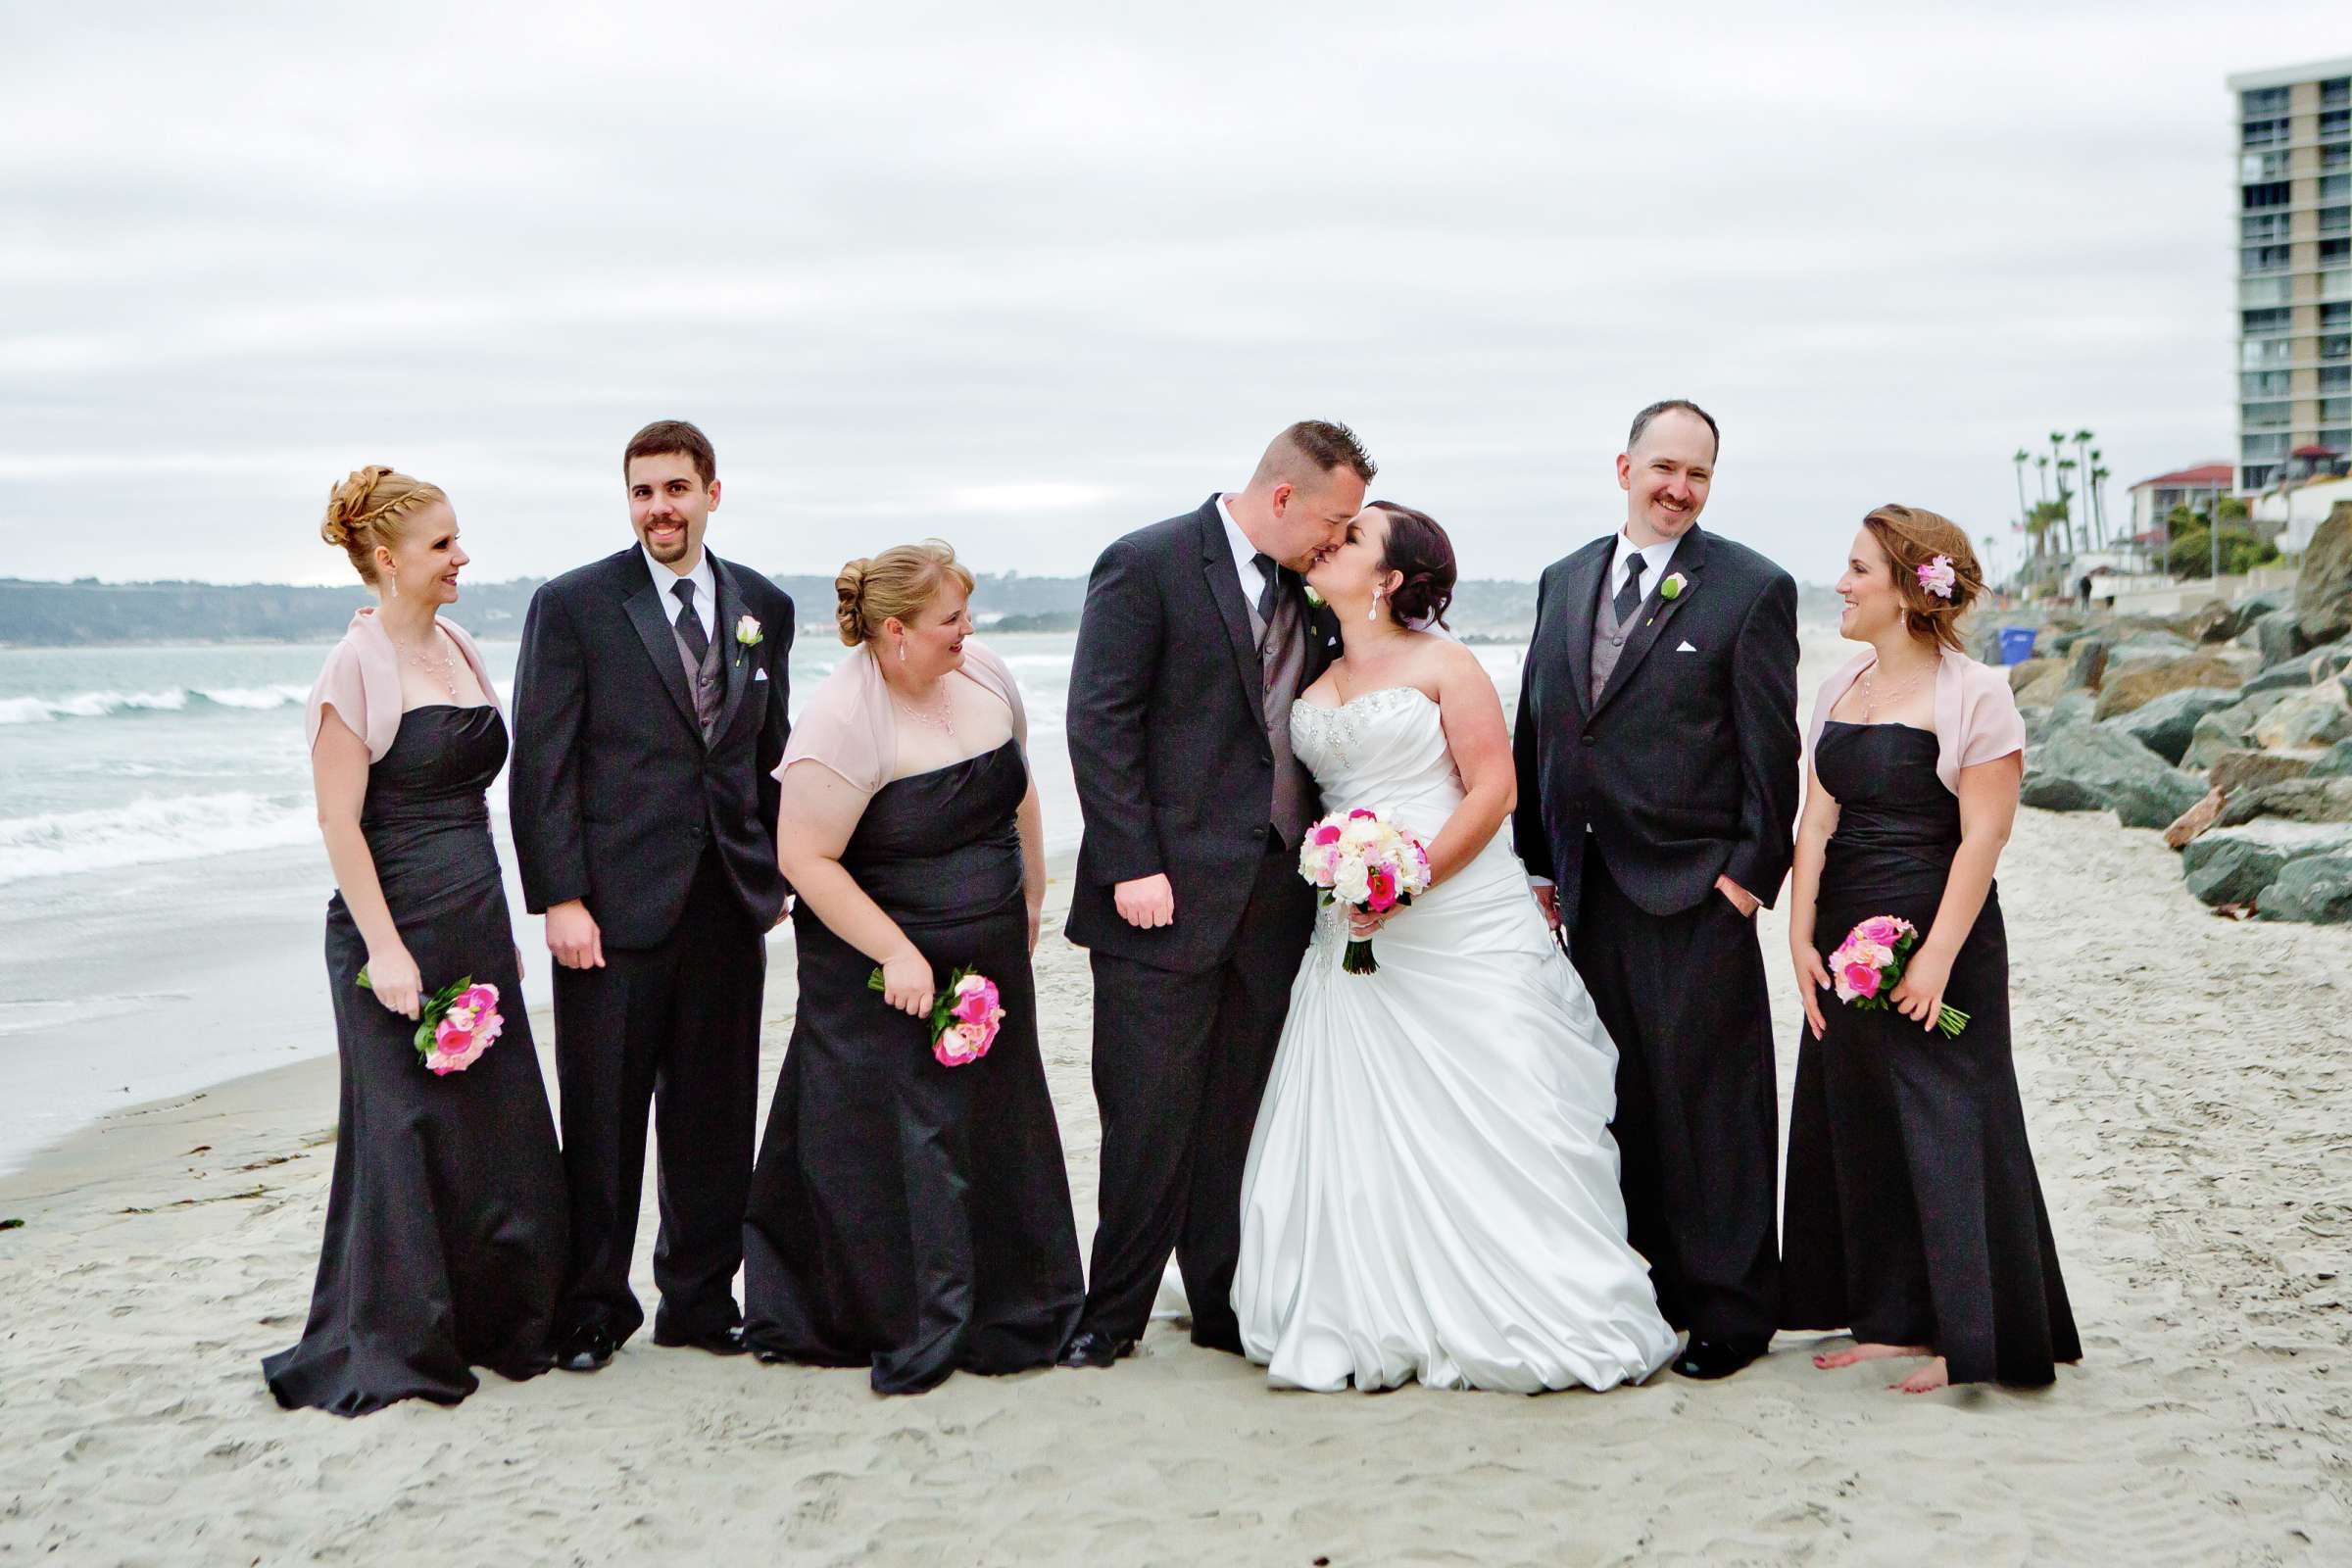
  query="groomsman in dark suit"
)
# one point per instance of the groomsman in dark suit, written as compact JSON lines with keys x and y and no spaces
{"x":650,"y":702}
{"x":1196,"y":636}
{"x":1657,"y":749}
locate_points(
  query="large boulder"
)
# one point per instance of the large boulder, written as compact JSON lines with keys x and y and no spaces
{"x":2232,"y":772}
{"x":2228,"y":729}
{"x":2279,"y":636}
{"x":2074,"y":707}
{"x":2297,"y":800}
{"x":2323,"y":587}
{"x":2023,"y":674}
{"x":2234,"y":864}
{"x":2123,"y":693}
{"x":2165,"y":724}
{"x":2333,"y":763}
{"x":2213,"y":621}
{"x":2317,"y":888}
{"x":2086,"y":664}
{"x":2317,"y":717}
{"x":2304,"y":670}
{"x":2092,"y":768}
{"x":2146,"y":650}
{"x":2045,"y":687}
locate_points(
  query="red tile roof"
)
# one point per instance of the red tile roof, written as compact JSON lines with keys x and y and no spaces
{"x":2203,"y":476}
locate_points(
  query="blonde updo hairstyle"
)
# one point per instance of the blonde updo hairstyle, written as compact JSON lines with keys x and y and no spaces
{"x":897,"y":583}
{"x":1912,"y":539}
{"x":369,"y":509}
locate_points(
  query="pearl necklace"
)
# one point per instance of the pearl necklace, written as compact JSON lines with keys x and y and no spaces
{"x":445,"y":670}
{"x":944,"y":722}
{"x":1870,"y":694}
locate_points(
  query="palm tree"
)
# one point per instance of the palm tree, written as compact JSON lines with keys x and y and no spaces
{"x":2020,"y":461}
{"x":2066,"y":499}
{"x":2042,"y":467}
{"x":2098,"y":500}
{"x":2059,"y":463}
{"x":2083,"y":440}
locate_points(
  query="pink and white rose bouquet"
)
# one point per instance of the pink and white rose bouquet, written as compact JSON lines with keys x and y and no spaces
{"x":1359,"y":860}
{"x":455,"y":1025}
{"x":1869,"y":963}
{"x":965,"y":1018}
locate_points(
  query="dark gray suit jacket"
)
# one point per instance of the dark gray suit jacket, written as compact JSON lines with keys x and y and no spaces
{"x":1686,"y":766}
{"x":1168,"y":739}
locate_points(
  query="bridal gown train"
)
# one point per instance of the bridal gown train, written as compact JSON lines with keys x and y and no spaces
{"x":1432,"y":1189}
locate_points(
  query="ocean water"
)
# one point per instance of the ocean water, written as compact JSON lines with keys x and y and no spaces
{"x":162,"y":883}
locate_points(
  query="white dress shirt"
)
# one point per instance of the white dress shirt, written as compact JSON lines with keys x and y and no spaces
{"x":706,"y":589}
{"x":1654,"y":563}
{"x":1254,"y":581}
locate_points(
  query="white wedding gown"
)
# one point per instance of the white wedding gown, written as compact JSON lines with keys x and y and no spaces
{"x":1432,"y":1188}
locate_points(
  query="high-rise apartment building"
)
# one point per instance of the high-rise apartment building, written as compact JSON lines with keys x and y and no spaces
{"x":2294,"y":284}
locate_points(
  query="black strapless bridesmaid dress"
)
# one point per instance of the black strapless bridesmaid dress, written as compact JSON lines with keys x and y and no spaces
{"x":1913,"y":1214}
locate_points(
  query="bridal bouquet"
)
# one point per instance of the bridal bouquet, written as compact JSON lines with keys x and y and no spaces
{"x":1361,"y":861}
{"x":1870,"y":961}
{"x":964,"y":1020}
{"x":454,"y":1026}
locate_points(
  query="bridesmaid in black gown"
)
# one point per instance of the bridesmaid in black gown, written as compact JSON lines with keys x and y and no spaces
{"x":1913,"y":1212}
{"x":445,"y":1228}
{"x":906,"y":1215}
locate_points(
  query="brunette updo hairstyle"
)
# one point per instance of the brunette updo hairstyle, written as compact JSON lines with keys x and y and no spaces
{"x":370,"y":508}
{"x":1418,"y":548}
{"x":898,"y":582}
{"x":1912,"y":539}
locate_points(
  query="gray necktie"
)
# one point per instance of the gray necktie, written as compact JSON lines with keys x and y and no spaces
{"x":690,"y":624}
{"x":1269,"y":579}
{"x":1629,"y":597}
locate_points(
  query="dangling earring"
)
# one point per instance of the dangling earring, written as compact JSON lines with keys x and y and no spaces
{"x":395,"y":585}
{"x":1374,"y":612}
{"x":902,"y":649}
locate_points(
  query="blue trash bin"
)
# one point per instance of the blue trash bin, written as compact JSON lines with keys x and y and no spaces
{"x":2017,"y":644}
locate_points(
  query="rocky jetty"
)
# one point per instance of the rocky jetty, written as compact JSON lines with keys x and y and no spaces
{"x":2227,"y":727}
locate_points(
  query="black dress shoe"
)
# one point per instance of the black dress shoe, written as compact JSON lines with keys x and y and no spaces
{"x":718,"y":1342}
{"x":586,"y":1348}
{"x":1710,"y":1359}
{"x":1094,"y":1348}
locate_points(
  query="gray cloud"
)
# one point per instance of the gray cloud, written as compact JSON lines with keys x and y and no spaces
{"x":1028,"y":275}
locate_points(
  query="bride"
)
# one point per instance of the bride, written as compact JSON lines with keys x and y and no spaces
{"x":1431,"y":1190}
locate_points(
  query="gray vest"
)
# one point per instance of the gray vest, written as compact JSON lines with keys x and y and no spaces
{"x":1608,"y":638}
{"x":1282,"y":656}
{"x":708,"y":682}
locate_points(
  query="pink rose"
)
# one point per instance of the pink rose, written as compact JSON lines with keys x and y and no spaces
{"x":1383,"y":897}
{"x":1328,"y":833}
{"x":1862,"y":979}
{"x":1363,"y":814}
{"x":960,"y":1043}
{"x":1881,"y":929}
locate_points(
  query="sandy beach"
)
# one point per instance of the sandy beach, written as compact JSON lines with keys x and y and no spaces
{"x":2186,"y":1081}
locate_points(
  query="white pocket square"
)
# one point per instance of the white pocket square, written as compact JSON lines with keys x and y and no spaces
{"x":758,"y":676}
{"x":1684,"y":648}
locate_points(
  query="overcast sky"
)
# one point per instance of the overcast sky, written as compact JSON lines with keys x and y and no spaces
{"x":1027,"y":275}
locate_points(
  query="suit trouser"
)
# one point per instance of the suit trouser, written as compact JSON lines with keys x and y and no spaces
{"x":1697,"y":1128}
{"x":1181,"y":1062}
{"x":676,"y":1027}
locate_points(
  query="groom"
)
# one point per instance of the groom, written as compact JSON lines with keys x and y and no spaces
{"x":1196,"y":635}
{"x":648,"y":718}
{"x":1658,"y":750}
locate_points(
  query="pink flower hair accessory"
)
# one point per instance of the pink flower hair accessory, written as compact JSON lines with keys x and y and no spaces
{"x":1937,"y":577}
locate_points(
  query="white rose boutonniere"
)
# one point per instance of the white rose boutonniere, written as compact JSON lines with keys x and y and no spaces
{"x":747,"y":635}
{"x":1669,"y":591}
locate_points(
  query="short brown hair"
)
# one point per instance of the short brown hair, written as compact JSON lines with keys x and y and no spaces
{"x":1643,"y":419}
{"x":662,"y":439}
{"x":1322,"y":444}
{"x":370,"y":508}
{"x":1912,"y":539}
{"x":899,"y":581}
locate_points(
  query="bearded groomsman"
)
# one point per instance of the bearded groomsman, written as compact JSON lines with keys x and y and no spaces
{"x":650,"y":706}
{"x":1658,"y":750}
